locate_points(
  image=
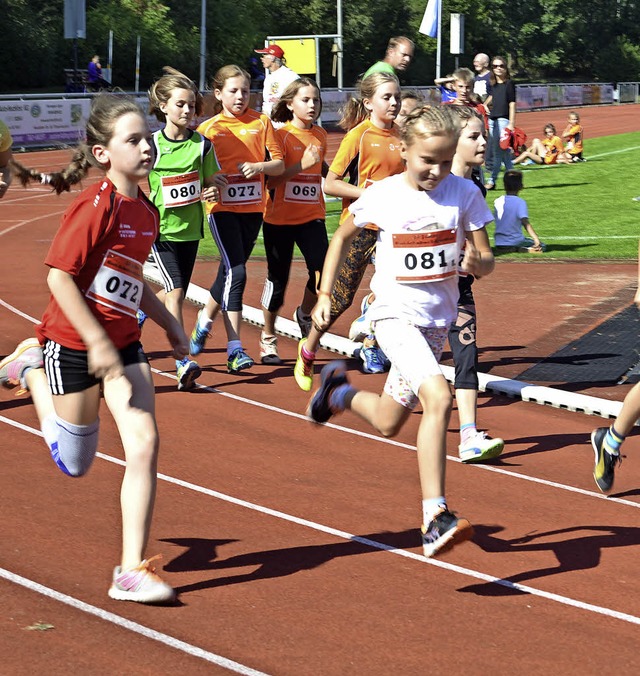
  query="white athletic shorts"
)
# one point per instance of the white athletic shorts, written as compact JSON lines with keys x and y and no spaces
{"x":414,"y":352}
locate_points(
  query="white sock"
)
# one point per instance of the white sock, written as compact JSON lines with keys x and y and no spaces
{"x":204,"y":322}
{"x":431,"y":506}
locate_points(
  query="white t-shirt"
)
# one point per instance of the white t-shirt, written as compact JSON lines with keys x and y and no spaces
{"x":420,"y":240}
{"x":274,"y":84}
{"x":509,"y":211}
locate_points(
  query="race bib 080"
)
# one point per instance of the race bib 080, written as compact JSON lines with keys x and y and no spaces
{"x":118,"y":284}
{"x":178,"y":191}
{"x":241,"y":190}
{"x":425,"y":256}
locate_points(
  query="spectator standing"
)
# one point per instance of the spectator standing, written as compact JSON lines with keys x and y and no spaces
{"x":94,"y":74}
{"x":5,"y":156}
{"x":502,"y":115}
{"x":397,"y":58}
{"x":482,"y":79}
{"x":277,"y":79}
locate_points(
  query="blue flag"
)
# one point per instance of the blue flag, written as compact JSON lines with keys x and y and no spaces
{"x":429,"y":25}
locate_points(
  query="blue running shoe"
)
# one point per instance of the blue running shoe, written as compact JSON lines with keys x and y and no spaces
{"x":198,"y":338}
{"x":141,"y":317}
{"x":373,"y":359}
{"x":188,"y":373}
{"x":331,"y":376}
{"x":238,"y":361}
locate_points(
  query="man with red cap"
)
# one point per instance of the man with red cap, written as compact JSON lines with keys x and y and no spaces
{"x":277,"y":78}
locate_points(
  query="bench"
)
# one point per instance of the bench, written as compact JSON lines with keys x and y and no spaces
{"x":76,"y":80}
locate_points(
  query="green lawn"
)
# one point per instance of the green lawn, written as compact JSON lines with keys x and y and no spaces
{"x":581,"y":211}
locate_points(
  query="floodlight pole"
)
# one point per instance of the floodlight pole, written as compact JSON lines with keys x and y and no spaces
{"x":203,"y":43}
{"x":339,"y":41}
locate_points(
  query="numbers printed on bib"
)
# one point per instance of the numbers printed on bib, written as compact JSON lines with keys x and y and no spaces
{"x":241,"y":190}
{"x":425,"y":256}
{"x":178,"y":191}
{"x":303,"y":188}
{"x":118,"y":284}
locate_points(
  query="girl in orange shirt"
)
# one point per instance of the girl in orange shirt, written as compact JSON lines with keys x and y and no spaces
{"x":295,"y":210}
{"x":247,"y":149}
{"x":369,"y":152}
{"x":549,"y":150}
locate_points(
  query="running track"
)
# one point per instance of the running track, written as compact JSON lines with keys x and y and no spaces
{"x":295,"y":548}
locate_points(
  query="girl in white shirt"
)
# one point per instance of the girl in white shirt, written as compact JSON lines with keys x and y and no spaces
{"x":430,"y":222}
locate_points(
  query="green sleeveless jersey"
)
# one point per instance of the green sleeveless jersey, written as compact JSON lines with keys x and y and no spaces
{"x":176,"y":180}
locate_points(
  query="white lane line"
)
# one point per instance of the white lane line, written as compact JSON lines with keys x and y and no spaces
{"x":30,"y":220}
{"x":123,"y":622}
{"x":467,"y":572}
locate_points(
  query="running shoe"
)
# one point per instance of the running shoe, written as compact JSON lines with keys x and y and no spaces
{"x":198,"y":337}
{"x":361,"y":327}
{"x":269,"y":350}
{"x":606,"y":462}
{"x":443,"y":532}
{"x":140,"y":584}
{"x":238,"y":361}
{"x":373,"y":359}
{"x":188,"y":373}
{"x":141,"y":317}
{"x":331,"y":376}
{"x":480,"y":447}
{"x":303,"y":370}
{"x":27,"y":355}
{"x":303,"y":321}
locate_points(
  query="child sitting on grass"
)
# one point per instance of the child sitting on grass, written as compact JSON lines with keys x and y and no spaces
{"x":511,"y":216}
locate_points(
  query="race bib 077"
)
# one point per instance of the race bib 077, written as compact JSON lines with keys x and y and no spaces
{"x":425,"y":256}
{"x":241,"y":190}
{"x":118,"y":284}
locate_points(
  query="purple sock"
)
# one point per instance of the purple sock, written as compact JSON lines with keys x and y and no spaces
{"x":338,"y":397}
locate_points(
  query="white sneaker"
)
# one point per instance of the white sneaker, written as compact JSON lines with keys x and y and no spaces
{"x":361,"y":327}
{"x":140,"y":584}
{"x":480,"y":447}
{"x":269,"y":350}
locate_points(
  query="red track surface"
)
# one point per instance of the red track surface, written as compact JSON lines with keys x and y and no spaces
{"x":289,"y":591}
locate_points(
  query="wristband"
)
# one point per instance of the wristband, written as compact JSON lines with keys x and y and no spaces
{"x":324,"y":293}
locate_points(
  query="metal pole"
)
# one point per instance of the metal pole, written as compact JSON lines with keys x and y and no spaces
{"x":110,"y":58}
{"x":439,"y":48}
{"x":203,"y":44}
{"x":138,"y":65}
{"x":339,"y":32}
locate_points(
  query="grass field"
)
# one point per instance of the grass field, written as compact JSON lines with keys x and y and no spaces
{"x":581,"y":211}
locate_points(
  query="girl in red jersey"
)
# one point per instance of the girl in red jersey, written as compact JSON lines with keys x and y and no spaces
{"x":369,"y":152}
{"x":247,"y":150}
{"x":295,"y":207}
{"x":89,"y":333}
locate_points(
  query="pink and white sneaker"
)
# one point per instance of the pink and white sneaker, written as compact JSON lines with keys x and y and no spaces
{"x":27,"y":355}
{"x":140,"y":584}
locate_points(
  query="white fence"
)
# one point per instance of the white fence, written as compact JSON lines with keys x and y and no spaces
{"x":59,"y":118}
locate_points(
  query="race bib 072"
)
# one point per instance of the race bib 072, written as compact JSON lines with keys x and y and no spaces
{"x":118,"y":284}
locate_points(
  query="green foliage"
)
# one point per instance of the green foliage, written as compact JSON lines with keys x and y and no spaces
{"x":543,"y":39}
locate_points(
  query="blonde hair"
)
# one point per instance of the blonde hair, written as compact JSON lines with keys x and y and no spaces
{"x":354,"y":111}
{"x":281,"y":112}
{"x":160,"y":91}
{"x":106,"y":110}
{"x":463,"y":75}
{"x":426,"y":121}
{"x":221,"y":76}
{"x":464,"y":114}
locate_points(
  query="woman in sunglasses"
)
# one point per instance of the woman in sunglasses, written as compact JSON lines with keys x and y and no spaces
{"x":502,"y":116}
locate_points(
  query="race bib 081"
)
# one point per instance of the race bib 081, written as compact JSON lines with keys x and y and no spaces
{"x":425,"y":256}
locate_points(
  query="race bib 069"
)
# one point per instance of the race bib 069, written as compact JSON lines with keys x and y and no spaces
{"x":303,"y":188}
{"x":118,"y":284}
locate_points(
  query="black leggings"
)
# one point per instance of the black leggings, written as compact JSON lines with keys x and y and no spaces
{"x":279,"y":240}
{"x":462,"y":338}
{"x":235,"y":235}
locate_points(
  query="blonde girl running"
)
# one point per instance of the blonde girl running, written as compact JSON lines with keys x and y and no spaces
{"x":181,"y":177}
{"x":247,"y":149}
{"x":295,"y":207}
{"x":89,"y":333}
{"x":369,"y":152}
{"x":424,"y":215}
